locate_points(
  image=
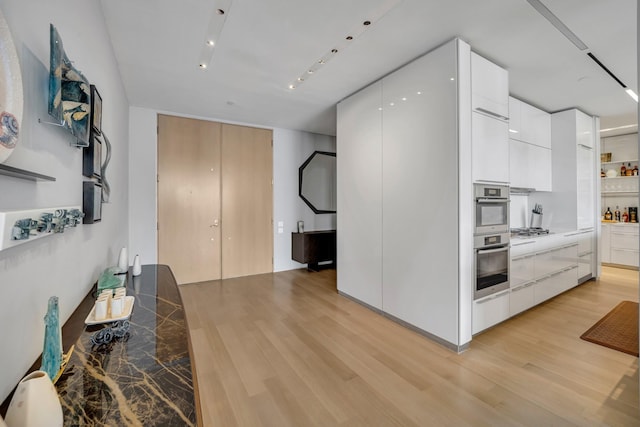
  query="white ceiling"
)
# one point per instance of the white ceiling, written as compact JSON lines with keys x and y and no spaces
{"x":265,"y":45}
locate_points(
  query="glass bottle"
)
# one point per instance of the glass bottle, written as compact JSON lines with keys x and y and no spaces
{"x":608,"y":215}
{"x":629,"y":171}
{"x":635,"y":170}
{"x":616,"y":214}
{"x":625,"y":216}
{"x":602,"y":174}
{"x":623,"y":170}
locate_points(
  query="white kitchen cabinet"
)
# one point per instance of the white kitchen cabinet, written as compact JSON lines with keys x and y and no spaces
{"x":529,"y":124}
{"x":490,"y":149}
{"x":540,"y":167}
{"x":522,"y":298}
{"x":490,"y":311}
{"x":586,"y":255}
{"x":522,"y":269}
{"x":585,"y":185}
{"x":388,"y":133}
{"x":489,"y":88}
{"x":359,"y":195}
{"x":624,"y":244}
{"x":574,"y":166}
{"x":605,"y":243}
{"x":555,"y":284}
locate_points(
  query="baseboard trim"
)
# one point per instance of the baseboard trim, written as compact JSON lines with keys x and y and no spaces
{"x":448,"y":345}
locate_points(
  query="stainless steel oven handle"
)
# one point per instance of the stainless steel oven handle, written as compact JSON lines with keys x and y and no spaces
{"x":491,"y":251}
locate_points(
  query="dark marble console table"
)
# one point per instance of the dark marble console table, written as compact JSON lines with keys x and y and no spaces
{"x":143,"y":380}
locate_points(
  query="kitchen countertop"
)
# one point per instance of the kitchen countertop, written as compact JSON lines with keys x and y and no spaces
{"x":143,"y":379}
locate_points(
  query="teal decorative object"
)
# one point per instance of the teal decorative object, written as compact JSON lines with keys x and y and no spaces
{"x":52,"y":352}
{"x":111,"y":278}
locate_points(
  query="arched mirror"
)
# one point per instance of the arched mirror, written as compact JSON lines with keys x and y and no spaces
{"x":317,"y":182}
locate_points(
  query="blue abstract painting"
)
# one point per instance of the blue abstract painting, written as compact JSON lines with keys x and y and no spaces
{"x":69,"y":91}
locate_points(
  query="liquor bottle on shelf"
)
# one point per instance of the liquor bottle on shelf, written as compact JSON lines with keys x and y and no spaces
{"x":629,"y":171}
{"x":625,"y":216}
{"x":608,"y":215}
{"x":623,"y":170}
{"x":602,"y":174}
{"x":616,"y":214}
{"x":635,"y":170}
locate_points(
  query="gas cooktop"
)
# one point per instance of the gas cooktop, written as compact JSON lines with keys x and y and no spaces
{"x":535,"y":231}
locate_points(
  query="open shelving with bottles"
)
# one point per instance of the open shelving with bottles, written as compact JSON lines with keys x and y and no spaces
{"x":623,"y":150}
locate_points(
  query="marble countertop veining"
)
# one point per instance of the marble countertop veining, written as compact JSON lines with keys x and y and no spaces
{"x":144,"y":379}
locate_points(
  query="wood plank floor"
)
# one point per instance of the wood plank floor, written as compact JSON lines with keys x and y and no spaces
{"x":285,"y":349}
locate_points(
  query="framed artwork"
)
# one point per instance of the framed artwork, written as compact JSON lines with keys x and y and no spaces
{"x":91,"y":202}
{"x":92,"y":159}
{"x":96,"y":111}
{"x":69,"y":91}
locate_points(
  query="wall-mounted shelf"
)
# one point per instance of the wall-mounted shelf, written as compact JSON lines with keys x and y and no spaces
{"x":18,"y":227}
{"x":23,"y":174}
{"x":619,"y":161}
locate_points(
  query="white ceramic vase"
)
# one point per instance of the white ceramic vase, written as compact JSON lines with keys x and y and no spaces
{"x":123,"y":260}
{"x":35,"y":403}
{"x":137,"y":268}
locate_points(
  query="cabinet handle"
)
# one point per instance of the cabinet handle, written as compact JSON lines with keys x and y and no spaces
{"x":585,"y":146}
{"x":624,"y":234}
{"x":523,"y":243}
{"x":625,"y":250}
{"x":492,"y":297}
{"x":569,"y":246}
{"x":492,"y":114}
{"x":520,"y":258}
{"x":521,"y":287}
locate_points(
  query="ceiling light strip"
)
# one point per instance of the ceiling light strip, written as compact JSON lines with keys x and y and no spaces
{"x":221,"y":9}
{"x":348,"y":39}
{"x":597,"y":61}
{"x":556,"y":22}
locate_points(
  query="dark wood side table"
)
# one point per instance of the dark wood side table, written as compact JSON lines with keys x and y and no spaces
{"x":313,"y":247}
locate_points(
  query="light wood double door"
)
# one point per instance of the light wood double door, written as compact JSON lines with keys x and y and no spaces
{"x":215,"y":199}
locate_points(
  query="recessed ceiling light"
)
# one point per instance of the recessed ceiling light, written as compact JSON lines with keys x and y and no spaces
{"x":452,"y":79}
{"x":292,"y":87}
{"x":203,"y":66}
{"x":210,"y":42}
{"x":353,"y":33}
{"x":404,"y":99}
{"x":300,"y":79}
{"x":392,"y":103}
{"x":418,"y":93}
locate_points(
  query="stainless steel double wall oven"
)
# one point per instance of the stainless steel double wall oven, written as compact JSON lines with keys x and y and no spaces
{"x":491,"y":239}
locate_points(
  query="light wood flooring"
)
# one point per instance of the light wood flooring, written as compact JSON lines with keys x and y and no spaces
{"x":285,"y":349}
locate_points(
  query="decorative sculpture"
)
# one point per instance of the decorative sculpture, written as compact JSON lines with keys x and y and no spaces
{"x":106,"y":189}
{"x":52,"y":352}
{"x":53,"y":360}
{"x":56,"y":222}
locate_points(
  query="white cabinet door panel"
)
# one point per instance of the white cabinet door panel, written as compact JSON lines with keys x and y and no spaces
{"x":490,"y":149}
{"x":519,"y":164}
{"x":490,"y":311}
{"x":624,"y":240}
{"x":522,"y":270}
{"x":359,"y":195}
{"x":605,"y":243}
{"x":540,"y":168}
{"x":585,"y":190}
{"x":584,"y":265}
{"x":521,"y":298}
{"x":624,"y":257}
{"x":489,"y":86}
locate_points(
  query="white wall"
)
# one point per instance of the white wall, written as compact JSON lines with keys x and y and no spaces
{"x":290,"y":150}
{"x":65,"y":265}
